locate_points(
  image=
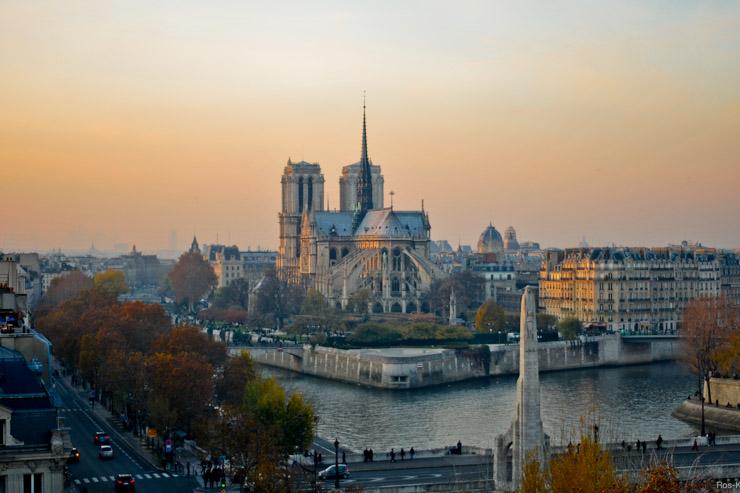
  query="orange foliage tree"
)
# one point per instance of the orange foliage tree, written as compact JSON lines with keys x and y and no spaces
{"x":707,"y":326}
{"x":191,"y":278}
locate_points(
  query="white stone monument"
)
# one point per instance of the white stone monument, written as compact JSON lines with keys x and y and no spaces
{"x":525,"y":436}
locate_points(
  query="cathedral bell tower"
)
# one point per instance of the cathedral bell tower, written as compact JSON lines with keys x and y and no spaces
{"x":302,"y":191}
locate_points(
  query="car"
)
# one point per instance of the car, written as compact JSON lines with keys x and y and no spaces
{"x":330,"y":472}
{"x":101,"y":438}
{"x":125,"y":482}
{"x":74,"y":456}
{"x":105,"y":452}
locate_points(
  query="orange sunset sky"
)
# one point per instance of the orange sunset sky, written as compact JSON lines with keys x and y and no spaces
{"x":123,"y":120}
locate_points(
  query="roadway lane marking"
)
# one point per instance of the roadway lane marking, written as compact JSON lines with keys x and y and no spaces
{"x":147,"y":476}
{"x":104,"y":479}
{"x":155,"y":475}
{"x":175,"y":475}
{"x":95,"y":480}
{"x":77,"y":481}
{"x":138,"y":476}
{"x":112,"y":478}
{"x":164,"y":474}
{"x":86,"y":480}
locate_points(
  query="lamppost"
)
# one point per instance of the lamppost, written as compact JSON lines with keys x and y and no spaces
{"x":336,"y":463}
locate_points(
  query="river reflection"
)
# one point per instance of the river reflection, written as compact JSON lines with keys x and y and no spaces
{"x":627,"y":402}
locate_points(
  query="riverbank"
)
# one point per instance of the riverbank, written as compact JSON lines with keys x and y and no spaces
{"x":715,"y":417}
{"x":409,"y":368}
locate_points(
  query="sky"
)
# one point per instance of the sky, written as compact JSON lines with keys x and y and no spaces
{"x":617,"y":122}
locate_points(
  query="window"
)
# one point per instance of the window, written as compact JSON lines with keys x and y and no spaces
{"x":2,"y":432}
{"x":32,"y":483}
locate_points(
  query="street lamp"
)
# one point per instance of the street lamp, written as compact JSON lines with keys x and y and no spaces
{"x":336,"y":463}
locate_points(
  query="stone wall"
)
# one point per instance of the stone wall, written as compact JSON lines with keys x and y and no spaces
{"x":724,"y":390}
{"x":399,"y":368}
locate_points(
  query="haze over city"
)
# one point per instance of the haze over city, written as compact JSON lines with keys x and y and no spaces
{"x":123,"y":121}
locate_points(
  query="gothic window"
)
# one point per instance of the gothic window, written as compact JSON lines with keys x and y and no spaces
{"x":345,"y":251}
{"x":395,"y":285}
{"x":300,"y":194}
{"x":310,"y":193}
{"x":332,"y":254}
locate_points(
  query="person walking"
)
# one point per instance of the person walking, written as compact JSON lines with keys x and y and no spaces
{"x":459,"y":447}
{"x":411,"y":453}
{"x":344,"y":457}
{"x":403,"y":453}
{"x":393,"y":455}
{"x":659,"y":442}
{"x":370,"y":453}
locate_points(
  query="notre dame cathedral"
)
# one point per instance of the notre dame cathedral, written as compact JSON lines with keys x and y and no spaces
{"x":361,"y":246}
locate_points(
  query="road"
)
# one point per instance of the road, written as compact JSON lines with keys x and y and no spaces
{"x":98,"y":475}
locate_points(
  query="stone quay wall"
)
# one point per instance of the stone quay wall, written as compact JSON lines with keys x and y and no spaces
{"x":724,"y":390}
{"x":398,"y":368}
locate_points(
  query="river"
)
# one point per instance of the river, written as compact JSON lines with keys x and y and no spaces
{"x":626,"y":402}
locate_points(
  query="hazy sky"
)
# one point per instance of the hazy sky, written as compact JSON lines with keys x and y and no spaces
{"x":617,"y":121}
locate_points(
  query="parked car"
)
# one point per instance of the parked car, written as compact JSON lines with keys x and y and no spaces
{"x":101,"y":438}
{"x":105,"y":452}
{"x":125,"y":482}
{"x":331,"y":472}
{"x":74,"y":456}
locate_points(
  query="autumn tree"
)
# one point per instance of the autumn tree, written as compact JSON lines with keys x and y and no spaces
{"x":235,"y":295}
{"x":490,"y":317}
{"x":707,"y":326}
{"x":112,"y":281}
{"x":358,"y":301}
{"x":237,"y":373}
{"x":191,"y":278}
{"x":189,"y":339}
{"x":66,"y":287}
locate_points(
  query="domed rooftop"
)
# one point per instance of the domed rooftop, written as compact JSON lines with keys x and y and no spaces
{"x":490,"y":241}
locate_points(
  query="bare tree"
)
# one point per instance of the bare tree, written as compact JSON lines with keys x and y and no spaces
{"x":707,"y":325}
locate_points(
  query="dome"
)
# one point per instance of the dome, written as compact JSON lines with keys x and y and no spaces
{"x":490,"y":241}
{"x":510,"y":241}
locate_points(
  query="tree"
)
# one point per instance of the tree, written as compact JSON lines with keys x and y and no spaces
{"x":277,"y":299}
{"x":490,"y":317}
{"x":191,"y":278}
{"x":546,"y":321}
{"x":358,"y":301}
{"x":235,"y":295}
{"x":372,"y":333}
{"x":569,"y":328}
{"x":112,"y":281}
{"x":708,"y":323}
{"x":66,"y":287}
{"x":189,"y":339}
{"x":468,"y":288}
{"x":237,"y":373}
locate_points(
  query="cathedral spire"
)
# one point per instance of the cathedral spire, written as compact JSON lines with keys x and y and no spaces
{"x":364,"y":182}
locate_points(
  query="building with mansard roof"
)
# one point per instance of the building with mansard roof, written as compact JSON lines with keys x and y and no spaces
{"x":361,"y":246}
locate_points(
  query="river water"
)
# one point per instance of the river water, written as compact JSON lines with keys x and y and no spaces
{"x":627,"y":403}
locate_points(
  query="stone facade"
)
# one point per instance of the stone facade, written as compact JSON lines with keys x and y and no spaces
{"x":627,"y":289}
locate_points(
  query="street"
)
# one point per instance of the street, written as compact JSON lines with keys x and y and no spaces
{"x":99,"y":475}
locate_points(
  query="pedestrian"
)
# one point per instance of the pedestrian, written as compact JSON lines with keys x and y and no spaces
{"x":644,"y":447}
{"x":459,"y":447}
{"x":365,"y":455}
{"x":623,"y":445}
{"x":393,"y":455}
{"x":371,"y":455}
{"x":403,"y":453}
{"x":321,"y":458}
{"x":639,"y":445}
{"x":659,"y":442}
{"x":570,"y":446}
{"x":411,"y":453}
{"x":344,"y":457}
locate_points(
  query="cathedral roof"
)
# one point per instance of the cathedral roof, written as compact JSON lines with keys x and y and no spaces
{"x":332,"y":223}
{"x":388,"y":222}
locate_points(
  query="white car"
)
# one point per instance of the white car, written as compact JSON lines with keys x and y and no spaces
{"x":105,"y":452}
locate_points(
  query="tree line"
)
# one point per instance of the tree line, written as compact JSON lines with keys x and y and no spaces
{"x":172,"y":378}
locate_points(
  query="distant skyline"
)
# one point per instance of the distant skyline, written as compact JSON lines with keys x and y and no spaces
{"x":125,"y":121}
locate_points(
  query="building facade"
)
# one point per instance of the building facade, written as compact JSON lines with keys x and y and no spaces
{"x":626,"y":289}
{"x":362,"y":246}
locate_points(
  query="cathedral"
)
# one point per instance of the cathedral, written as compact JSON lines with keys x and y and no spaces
{"x":361,"y":246}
